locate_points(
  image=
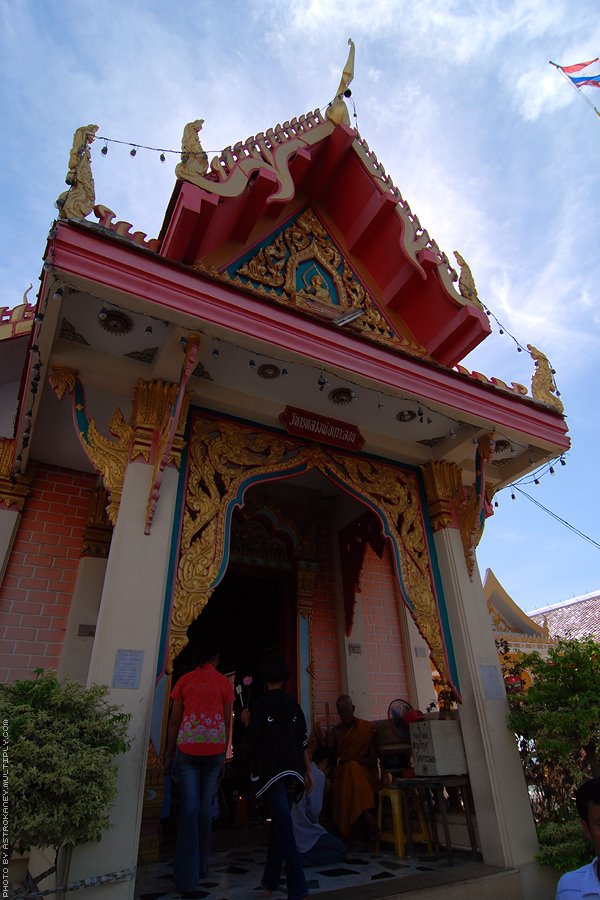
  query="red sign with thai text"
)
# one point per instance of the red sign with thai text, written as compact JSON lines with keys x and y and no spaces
{"x":302,"y":423}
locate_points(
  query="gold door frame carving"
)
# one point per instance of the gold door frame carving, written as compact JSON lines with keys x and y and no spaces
{"x":226,"y":458}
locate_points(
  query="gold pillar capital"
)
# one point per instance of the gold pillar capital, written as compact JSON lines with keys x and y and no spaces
{"x":444,"y":491}
{"x":14,"y":489}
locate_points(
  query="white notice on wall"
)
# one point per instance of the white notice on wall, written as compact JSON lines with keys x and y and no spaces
{"x":128,"y":669}
{"x":493,"y":685}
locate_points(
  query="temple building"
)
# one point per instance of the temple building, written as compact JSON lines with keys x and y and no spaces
{"x":257,"y":422}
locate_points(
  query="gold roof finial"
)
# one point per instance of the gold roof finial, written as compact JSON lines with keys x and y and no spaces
{"x":466,"y":283}
{"x":194,"y":161}
{"x":80,"y":198}
{"x":337,"y":111}
{"x":543,"y":387}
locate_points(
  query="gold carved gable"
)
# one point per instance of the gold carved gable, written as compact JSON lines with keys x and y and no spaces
{"x":302,"y":267}
{"x":224,"y":458}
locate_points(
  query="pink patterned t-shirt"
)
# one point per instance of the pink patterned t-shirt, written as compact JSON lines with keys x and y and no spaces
{"x":204,"y":693}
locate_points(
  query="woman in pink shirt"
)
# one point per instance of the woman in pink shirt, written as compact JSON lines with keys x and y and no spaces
{"x":197,"y":738}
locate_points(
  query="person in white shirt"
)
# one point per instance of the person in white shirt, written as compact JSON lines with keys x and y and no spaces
{"x":316,"y":845}
{"x":585,"y":882}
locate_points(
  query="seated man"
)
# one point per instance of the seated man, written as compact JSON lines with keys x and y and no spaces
{"x":355,"y":779}
{"x":317,"y":847}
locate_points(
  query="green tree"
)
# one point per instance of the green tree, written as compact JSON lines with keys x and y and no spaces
{"x":62,"y":777}
{"x":559,"y":716}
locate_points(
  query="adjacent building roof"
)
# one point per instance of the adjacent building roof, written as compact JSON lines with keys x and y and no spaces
{"x":576,"y":618}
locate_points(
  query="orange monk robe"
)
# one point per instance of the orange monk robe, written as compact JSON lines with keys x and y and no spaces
{"x":354,"y":785}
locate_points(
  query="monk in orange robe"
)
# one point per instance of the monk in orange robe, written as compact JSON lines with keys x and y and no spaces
{"x":355,"y":778}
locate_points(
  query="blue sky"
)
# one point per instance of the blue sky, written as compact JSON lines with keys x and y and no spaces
{"x":494,"y":151}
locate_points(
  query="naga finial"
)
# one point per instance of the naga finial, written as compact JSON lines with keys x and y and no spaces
{"x":466,"y":283}
{"x":543,"y":387}
{"x":337,"y":111}
{"x":79,"y":199}
{"x":194,"y":161}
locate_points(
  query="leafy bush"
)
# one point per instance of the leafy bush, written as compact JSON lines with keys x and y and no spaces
{"x":62,"y":777}
{"x":563,"y":845}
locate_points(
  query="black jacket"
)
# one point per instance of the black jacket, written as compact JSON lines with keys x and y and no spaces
{"x":276,"y":739}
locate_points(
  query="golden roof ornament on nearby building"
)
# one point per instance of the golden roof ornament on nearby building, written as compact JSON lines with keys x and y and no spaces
{"x":543,"y":387}
{"x":80,"y":198}
{"x":466,"y":283}
{"x":337,"y":111}
{"x":194,"y":161}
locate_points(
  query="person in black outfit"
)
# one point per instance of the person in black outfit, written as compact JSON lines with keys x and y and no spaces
{"x":277,"y":740}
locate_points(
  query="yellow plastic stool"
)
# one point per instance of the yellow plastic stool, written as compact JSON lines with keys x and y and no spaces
{"x":397,"y":836}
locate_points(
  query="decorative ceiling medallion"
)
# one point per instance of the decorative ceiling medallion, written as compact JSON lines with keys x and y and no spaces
{"x":115,"y":322}
{"x":502,"y":445}
{"x":144,"y":356}
{"x":406,"y":415}
{"x":201,"y":372}
{"x":268,"y":371}
{"x":68,"y":333}
{"x":341,"y":396}
{"x":431,"y":442}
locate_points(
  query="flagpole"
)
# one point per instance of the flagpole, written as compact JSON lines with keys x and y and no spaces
{"x":574,"y":86}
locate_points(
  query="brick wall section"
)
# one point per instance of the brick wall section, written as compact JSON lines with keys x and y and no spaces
{"x":35,"y":596}
{"x":326,"y":653}
{"x":384,"y":648}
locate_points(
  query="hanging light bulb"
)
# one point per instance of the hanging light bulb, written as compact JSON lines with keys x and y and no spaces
{"x":551,"y":470}
{"x":148,"y":329}
{"x":513,"y":497}
{"x":216,"y":352}
{"x":133,"y":151}
{"x":102,"y":315}
{"x":162,"y":157}
{"x":563,"y":461}
{"x":284,"y":372}
{"x":104,"y":150}
{"x":57,"y":295}
{"x":536,"y":480}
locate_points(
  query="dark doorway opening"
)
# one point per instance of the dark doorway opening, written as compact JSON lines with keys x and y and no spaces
{"x":251,"y":614}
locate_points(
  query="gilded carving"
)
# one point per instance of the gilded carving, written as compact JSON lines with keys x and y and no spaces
{"x":194,"y":161}
{"x":79,"y":199}
{"x":303,"y":268}
{"x":18,"y":320}
{"x":543,"y":387}
{"x":475,"y":505}
{"x":62,"y":380}
{"x":110,"y":458}
{"x":97,"y":534}
{"x":466,"y":283}
{"x":224,"y":457}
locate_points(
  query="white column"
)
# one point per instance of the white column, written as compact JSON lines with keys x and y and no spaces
{"x":130,"y":619}
{"x":9,"y":522}
{"x":504,"y":817}
{"x":83,"y":615}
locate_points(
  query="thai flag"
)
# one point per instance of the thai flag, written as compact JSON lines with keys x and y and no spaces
{"x":589,"y":80}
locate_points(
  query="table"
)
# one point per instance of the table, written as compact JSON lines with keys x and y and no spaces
{"x":428,"y":788}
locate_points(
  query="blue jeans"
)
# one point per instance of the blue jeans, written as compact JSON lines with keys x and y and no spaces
{"x":282,"y":844}
{"x":326,"y":851}
{"x":198,"y":777}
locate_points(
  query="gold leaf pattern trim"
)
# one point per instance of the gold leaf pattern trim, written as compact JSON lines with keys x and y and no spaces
{"x":224,"y":458}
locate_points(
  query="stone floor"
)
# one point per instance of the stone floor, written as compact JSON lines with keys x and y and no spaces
{"x":237,"y":863}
